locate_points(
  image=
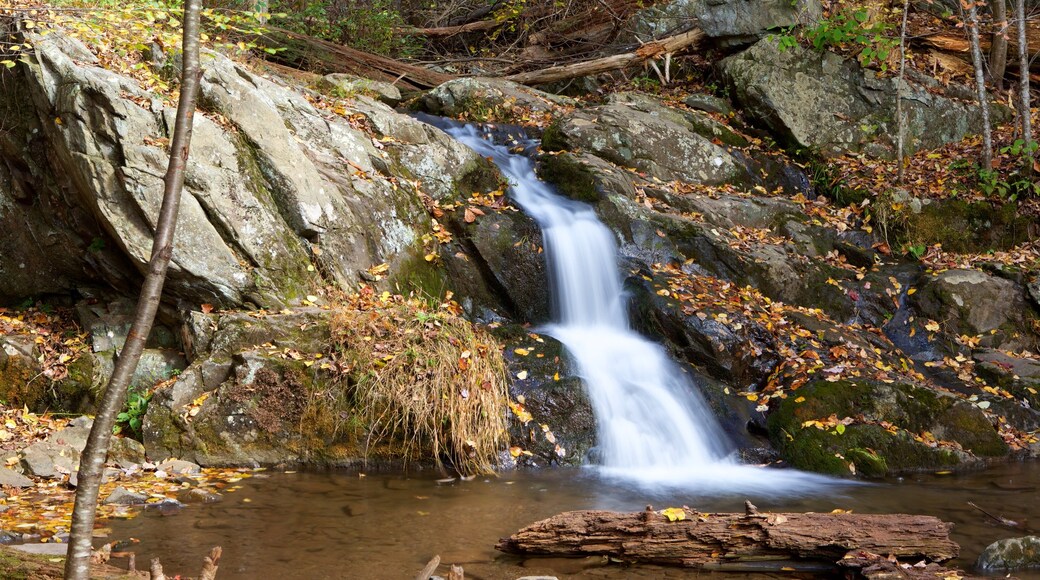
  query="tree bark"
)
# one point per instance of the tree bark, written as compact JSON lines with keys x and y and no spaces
{"x":900,"y":121}
{"x":734,"y":541}
{"x":619,"y":61}
{"x":92,"y":460}
{"x":1023,"y":86}
{"x":999,"y":47}
{"x":980,"y":87}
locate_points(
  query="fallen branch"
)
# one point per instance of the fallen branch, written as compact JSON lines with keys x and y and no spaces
{"x":876,"y":567}
{"x":449,"y":31}
{"x":734,"y":541}
{"x":211,"y":563}
{"x":644,"y":53}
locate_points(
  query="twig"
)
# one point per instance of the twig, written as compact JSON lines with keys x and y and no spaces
{"x":430,"y":567}
{"x":211,"y":563}
{"x":998,"y":519}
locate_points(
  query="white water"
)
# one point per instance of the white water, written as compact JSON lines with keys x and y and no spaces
{"x":653,"y":426}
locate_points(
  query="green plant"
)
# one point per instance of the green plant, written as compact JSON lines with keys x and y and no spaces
{"x":133,"y":416}
{"x":371,"y":25}
{"x":854,"y":27}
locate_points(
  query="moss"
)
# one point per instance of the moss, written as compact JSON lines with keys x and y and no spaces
{"x":961,"y":226}
{"x":873,"y":450}
{"x":553,"y":138}
{"x":414,"y":273}
{"x":17,"y":565}
{"x":570,"y":177}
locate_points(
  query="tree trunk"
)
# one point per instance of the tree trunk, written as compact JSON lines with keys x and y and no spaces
{"x":1023,"y":80}
{"x":734,"y":541}
{"x":92,"y":461}
{"x":999,"y":47}
{"x":980,"y":87}
{"x":642,"y":54}
{"x":900,"y":121}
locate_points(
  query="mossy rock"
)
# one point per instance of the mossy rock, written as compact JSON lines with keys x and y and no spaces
{"x":965,"y":227}
{"x":570,"y":176}
{"x":871,"y":448}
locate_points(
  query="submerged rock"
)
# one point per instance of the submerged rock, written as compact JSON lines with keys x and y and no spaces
{"x":1011,"y":554}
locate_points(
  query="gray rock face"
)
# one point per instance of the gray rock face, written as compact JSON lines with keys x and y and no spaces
{"x":639,"y":132}
{"x":480,"y":99}
{"x":353,"y":85}
{"x":123,"y":496}
{"x":11,"y":478}
{"x":1011,"y":554}
{"x":822,"y":101}
{"x":975,"y":303}
{"x":728,"y":21}
{"x":286,"y":186}
{"x":58,"y":454}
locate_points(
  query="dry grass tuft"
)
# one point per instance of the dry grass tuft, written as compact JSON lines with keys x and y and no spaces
{"x":427,"y":378}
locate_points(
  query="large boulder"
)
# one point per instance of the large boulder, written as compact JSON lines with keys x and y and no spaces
{"x":830,"y":104}
{"x":726,"y":21}
{"x":977,"y":304}
{"x":876,"y":429}
{"x":284,"y":190}
{"x":1011,"y":554}
{"x":484,"y":99}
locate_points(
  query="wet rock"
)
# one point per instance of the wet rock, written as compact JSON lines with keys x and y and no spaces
{"x":864,"y":447}
{"x":823,"y":102}
{"x":1011,"y":554}
{"x":198,"y":495}
{"x":508,"y":245}
{"x":123,"y":496}
{"x":178,"y":467}
{"x":480,"y":99}
{"x":11,"y":478}
{"x":351,"y":85}
{"x":973,"y":303}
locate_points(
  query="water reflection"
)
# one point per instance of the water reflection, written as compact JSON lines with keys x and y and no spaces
{"x":329,"y":525}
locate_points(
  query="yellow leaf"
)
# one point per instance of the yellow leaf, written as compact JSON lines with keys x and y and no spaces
{"x":752,"y":397}
{"x":674,"y":514}
{"x":522,"y":351}
{"x":800,"y":400}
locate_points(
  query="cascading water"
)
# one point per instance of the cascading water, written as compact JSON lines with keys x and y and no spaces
{"x":652,"y":424}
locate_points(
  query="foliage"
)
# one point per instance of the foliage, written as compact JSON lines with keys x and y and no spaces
{"x":370,"y":25}
{"x":426,"y":376}
{"x":854,"y":26}
{"x":124,"y":35}
{"x":132,"y":417}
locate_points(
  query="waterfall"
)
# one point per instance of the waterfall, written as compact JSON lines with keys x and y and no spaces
{"x":653,"y":426}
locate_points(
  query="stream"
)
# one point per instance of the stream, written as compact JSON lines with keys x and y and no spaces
{"x":338,"y":525}
{"x":658,"y":444}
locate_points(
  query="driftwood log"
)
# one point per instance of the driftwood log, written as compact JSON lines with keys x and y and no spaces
{"x":722,"y":541}
{"x":642,"y":54}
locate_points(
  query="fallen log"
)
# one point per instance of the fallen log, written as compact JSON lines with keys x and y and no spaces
{"x":642,"y":54}
{"x":726,"y":541}
{"x":321,"y":56}
{"x":448,"y":31}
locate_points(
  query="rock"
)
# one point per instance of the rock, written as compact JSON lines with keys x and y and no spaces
{"x":123,"y":496}
{"x":198,"y":495}
{"x":973,"y":303}
{"x":728,"y":22}
{"x":823,"y":102}
{"x":48,"y":549}
{"x":126,"y":451}
{"x":348,"y":85}
{"x":864,"y":447}
{"x":1011,"y":554}
{"x":509,"y":247}
{"x":58,"y":454}
{"x":641,"y":133}
{"x":482,"y":100}
{"x":11,"y":478}
{"x":270,"y":197}
{"x":708,"y":104}
{"x":178,"y":467}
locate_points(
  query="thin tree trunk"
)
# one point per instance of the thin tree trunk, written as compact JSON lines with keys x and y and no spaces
{"x":1023,"y":80}
{"x":999,"y":47}
{"x":980,"y":82}
{"x":77,"y":565}
{"x":900,"y":121}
